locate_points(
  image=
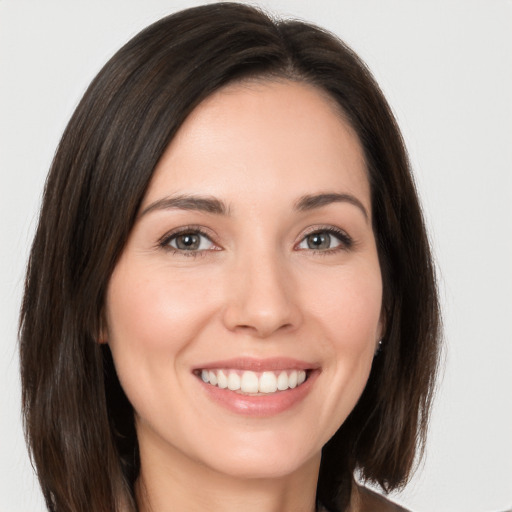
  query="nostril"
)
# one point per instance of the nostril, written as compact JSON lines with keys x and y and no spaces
{"x":262,"y":331}
{"x":261,"y":309}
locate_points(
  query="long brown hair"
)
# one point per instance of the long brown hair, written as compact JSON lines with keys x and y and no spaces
{"x":79,"y":424}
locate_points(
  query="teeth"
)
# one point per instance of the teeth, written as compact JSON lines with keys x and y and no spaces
{"x":282,"y":381}
{"x":212,"y":378}
{"x":252,"y":382}
{"x":292,"y":380}
{"x":249,"y":382}
{"x":222,"y":380}
{"x":233,"y":381}
{"x":268,"y":382}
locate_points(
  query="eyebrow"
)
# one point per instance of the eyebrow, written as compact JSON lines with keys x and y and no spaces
{"x":216,"y":206}
{"x":311,"y":202}
{"x":189,"y":202}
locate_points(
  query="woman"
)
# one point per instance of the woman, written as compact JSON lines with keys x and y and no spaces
{"x":230,"y":300}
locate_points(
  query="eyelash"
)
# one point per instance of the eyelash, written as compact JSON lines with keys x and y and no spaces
{"x":164,"y":242}
{"x":346,"y":242}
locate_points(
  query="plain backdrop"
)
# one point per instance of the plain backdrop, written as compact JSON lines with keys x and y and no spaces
{"x":446,"y":68}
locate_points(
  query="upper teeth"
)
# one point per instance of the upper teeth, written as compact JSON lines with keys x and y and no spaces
{"x":252,"y":382}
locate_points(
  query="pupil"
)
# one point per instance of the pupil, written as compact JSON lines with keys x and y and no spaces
{"x":187,"y":242}
{"x":319,"y":241}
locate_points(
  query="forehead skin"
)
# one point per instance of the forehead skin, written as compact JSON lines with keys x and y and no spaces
{"x":282,"y":121}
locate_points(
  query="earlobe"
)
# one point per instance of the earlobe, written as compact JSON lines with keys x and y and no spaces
{"x":382,"y":332}
{"x":102,"y":337}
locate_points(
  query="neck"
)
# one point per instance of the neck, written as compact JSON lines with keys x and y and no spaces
{"x":169,"y":483}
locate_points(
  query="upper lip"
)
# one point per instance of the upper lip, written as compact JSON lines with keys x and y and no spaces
{"x":259,"y":365}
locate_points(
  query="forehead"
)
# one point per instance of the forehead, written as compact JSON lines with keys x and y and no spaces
{"x":257,"y":136}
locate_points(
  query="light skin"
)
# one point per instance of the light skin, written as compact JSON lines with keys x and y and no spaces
{"x":254,"y":241}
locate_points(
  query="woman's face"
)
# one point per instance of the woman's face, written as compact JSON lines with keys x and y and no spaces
{"x":244,"y":312}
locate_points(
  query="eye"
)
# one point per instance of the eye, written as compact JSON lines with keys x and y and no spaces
{"x":193,"y":241}
{"x":325,"y":240}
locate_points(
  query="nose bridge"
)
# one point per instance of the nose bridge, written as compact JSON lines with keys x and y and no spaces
{"x":261,"y":298}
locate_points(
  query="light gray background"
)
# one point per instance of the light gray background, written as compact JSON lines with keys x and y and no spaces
{"x":446,"y":68}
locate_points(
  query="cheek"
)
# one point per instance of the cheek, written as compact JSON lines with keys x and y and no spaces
{"x":153,"y":309}
{"x":151,"y":320}
{"x":356,"y":328}
{"x":349,"y":306}
{"x":347,"y":312}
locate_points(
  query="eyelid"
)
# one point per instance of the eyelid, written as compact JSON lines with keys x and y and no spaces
{"x":164,"y":241}
{"x":346,"y":241}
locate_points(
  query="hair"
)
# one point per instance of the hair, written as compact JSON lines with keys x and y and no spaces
{"x":78,"y":422}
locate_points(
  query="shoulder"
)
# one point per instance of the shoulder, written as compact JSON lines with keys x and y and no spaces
{"x":366,"y":500}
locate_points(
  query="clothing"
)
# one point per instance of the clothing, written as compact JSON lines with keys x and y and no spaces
{"x":366,"y":500}
{"x":363,"y":499}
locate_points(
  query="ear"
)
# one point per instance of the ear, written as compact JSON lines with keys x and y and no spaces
{"x":381,"y":330}
{"x":102,"y":337}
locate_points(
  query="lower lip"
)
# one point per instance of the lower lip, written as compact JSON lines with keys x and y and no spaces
{"x":260,"y":405}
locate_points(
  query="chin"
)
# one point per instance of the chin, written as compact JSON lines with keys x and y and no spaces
{"x":261,"y":466}
{"x":267,"y":457}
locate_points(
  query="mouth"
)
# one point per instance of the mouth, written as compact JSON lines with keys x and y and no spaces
{"x":252,"y":383}
{"x":258,"y":387}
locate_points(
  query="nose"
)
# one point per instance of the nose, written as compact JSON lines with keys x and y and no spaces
{"x":261,"y":298}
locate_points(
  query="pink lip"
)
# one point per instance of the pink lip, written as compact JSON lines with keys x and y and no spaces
{"x":259,"y":365}
{"x":260,"y":405}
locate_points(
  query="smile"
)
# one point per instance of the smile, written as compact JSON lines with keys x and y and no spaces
{"x":254,"y":383}
{"x":257,"y":387}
